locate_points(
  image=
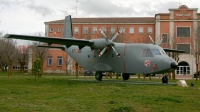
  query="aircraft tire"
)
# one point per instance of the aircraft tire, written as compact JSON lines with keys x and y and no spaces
{"x":125,"y":76}
{"x":98,"y":76}
{"x":165,"y":79}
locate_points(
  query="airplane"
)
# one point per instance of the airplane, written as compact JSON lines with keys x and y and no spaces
{"x":133,"y":58}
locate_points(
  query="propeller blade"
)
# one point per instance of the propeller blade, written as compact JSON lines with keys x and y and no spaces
{"x":115,"y":36}
{"x":101,"y":53}
{"x":117,"y":54}
{"x":103,"y":35}
{"x":151,"y":40}
{"x":160,"y":41}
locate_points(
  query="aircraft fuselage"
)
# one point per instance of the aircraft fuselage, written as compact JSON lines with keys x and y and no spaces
{"x":134,"y":58}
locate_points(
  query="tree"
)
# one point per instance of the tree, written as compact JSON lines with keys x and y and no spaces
{"x":37,"y":67}
{"x":196,"y":50}
{"x":39,"y":53}
{"x":67,"y":60}
{"x":10,"y":52}
{"x":22,"y":56}
{"x":2,"y":56}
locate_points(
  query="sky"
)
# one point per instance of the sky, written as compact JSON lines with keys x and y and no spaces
{"x":28,"y":16}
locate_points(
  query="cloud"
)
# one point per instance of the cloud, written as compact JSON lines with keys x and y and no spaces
{"x":43,"y":10}
{"x":103,"y":8}
{"x":30,"y":4}
{"x":27,"y":16}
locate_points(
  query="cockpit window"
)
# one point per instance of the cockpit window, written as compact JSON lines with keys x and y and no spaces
{"x":162,"y":52}
{"x":146,"y":53}
{"x":155,"y":51}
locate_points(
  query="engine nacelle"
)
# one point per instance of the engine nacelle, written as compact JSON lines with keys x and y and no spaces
{"x":100,"y":43}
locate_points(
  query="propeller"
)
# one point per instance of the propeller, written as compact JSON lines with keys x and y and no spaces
{"x":109,"y":43}
{"x":160,"y":41}
{"x":154,"y":42}
{"x":151,"y":40}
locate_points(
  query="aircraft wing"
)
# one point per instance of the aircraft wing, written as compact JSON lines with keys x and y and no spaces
{"x":52,"y":40}
{"x":173,"y":50}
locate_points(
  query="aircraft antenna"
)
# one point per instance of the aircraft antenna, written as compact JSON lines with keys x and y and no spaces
{"x":76,"y":8}
{"x":179,"y":2}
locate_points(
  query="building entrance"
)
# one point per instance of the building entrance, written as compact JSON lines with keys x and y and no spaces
{"x":183,"y":68}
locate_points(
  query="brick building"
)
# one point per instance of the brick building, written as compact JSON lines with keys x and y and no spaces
{"x":178,"y":27}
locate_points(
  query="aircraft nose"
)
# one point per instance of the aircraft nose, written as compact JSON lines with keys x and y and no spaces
{"x":174,"y":65}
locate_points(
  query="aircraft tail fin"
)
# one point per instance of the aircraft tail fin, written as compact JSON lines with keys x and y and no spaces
{"x":68,"y":27}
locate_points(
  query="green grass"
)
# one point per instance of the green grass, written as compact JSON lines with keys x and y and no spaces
{"x":59,"y":93}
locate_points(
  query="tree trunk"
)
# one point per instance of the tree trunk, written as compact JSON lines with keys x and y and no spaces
{"x":110,"y":74}
{"x":149,"y":76}
{"x":2,"y":68}
{"x":173,"y":75}
{"x":197,"y":71}
{"x":169,"y":75}
{"x":42,"y":69}
{"x":106,"y":74}
{"x":66,"y":70}
{"x":138,"y":76}
{"x":20,"y":67}
{"x":76,"y":69}
{"x":8,"y":67}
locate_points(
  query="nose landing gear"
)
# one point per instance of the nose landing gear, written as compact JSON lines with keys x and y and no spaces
{"x":165,"y":79}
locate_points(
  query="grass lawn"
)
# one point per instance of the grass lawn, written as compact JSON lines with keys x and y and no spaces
{"x":58,"y":93}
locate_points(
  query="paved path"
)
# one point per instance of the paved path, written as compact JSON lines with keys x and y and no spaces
{"x":184,"y":77}
{"x":126,"y":82}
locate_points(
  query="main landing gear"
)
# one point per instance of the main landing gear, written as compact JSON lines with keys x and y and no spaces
{"x":125,"y":76}
{"x":98,"y":76}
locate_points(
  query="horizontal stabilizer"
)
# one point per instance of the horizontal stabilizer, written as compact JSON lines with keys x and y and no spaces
{"x":173,"y":50}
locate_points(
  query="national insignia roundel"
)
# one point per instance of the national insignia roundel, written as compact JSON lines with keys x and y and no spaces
{"x":147,"y":63}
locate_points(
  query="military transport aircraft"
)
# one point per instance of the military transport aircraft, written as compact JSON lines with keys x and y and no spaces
{"x":119,"y":57}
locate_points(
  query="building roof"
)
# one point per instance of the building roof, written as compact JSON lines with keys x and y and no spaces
{"x":108,"y":20}
{"x":183,"y":6}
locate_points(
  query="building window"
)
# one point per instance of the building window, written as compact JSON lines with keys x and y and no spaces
{"x":149,"y":30}
{"x":85,"y":30}
{"x":183,"y":31}
{"x":25,"y":68}
{"x":76,"y":30}
{"x":141,"y":30}
{"x":59,"y":60}
{"x":113,"y":30}
{"x":58,"y":29}
{"x":122,"y":30}
{"x":165,"y":38}
{"x":16,"y":67}
{"x":185,"y":47}
{"x":131,"y":30}
{"x":104,"y":29}
{"x":49,"y":60}
{"x":94,"y":30}
{"x":51,"y":29}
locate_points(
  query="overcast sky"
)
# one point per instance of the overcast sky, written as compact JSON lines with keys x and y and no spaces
{"x":28,"y":16}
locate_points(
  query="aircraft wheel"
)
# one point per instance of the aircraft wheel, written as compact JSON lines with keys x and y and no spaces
{"x":98,"y":76}
{"x":125,"y":76}
{"x":165,"y":79}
